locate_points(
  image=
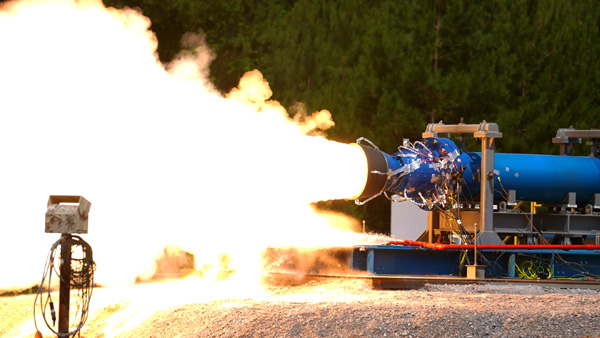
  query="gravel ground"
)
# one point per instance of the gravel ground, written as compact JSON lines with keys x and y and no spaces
{"x":14,"y":311}
{"x":351,"y":308}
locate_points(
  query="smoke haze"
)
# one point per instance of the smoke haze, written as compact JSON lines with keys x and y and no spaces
{"x":87,"y":109}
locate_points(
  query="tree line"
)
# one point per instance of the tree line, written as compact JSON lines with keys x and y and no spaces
{"x":386,"y":68}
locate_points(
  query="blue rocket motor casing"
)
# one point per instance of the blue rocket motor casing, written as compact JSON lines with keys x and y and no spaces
{"x":423,"y":173}
{"x":418,"y":173}
{"x":539,"y":178}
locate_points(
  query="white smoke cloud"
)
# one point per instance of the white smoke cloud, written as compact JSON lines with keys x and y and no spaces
{"x":87,"y":109}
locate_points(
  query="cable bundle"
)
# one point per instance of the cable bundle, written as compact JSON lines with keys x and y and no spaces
{"x":81,"y":279}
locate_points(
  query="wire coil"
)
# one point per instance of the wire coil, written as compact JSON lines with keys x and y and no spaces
{"x":81,"y":279}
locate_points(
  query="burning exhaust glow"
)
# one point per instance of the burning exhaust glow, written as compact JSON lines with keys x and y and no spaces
{"x":87,"y":109}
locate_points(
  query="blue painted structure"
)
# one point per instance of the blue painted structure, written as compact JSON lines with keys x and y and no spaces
{"x":540,"y":178}
{"x":397,"y":260}
{"x":403,"y":260}
{"x":422,"y":173}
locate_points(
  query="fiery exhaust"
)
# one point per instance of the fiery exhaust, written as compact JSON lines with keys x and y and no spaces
{"x":87,"y":109}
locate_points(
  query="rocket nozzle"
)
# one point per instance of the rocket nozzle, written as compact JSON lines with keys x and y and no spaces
{"x":376,"y":167}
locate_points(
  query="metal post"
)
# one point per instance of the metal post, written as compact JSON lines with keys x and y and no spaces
{"x":486,"y":199}
{"x":67,"y":215}
{"x":475,"y":271}
{"x":487,"y":184}
{"x":65,"y":285}
{"x":475,"y":247}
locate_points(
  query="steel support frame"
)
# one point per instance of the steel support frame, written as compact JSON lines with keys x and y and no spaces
{"x":567,"y":137}
{"x":487,"y":133}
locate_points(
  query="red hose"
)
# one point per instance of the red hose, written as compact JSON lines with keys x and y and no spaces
{"x":439,"y":246}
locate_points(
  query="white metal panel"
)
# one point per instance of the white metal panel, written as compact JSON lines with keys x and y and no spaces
{"x":408,"y":220}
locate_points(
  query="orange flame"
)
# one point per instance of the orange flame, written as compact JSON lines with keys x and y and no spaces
{"x":87,"y":109}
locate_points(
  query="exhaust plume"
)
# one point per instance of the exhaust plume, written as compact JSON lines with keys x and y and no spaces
{"x":87,"y":109}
